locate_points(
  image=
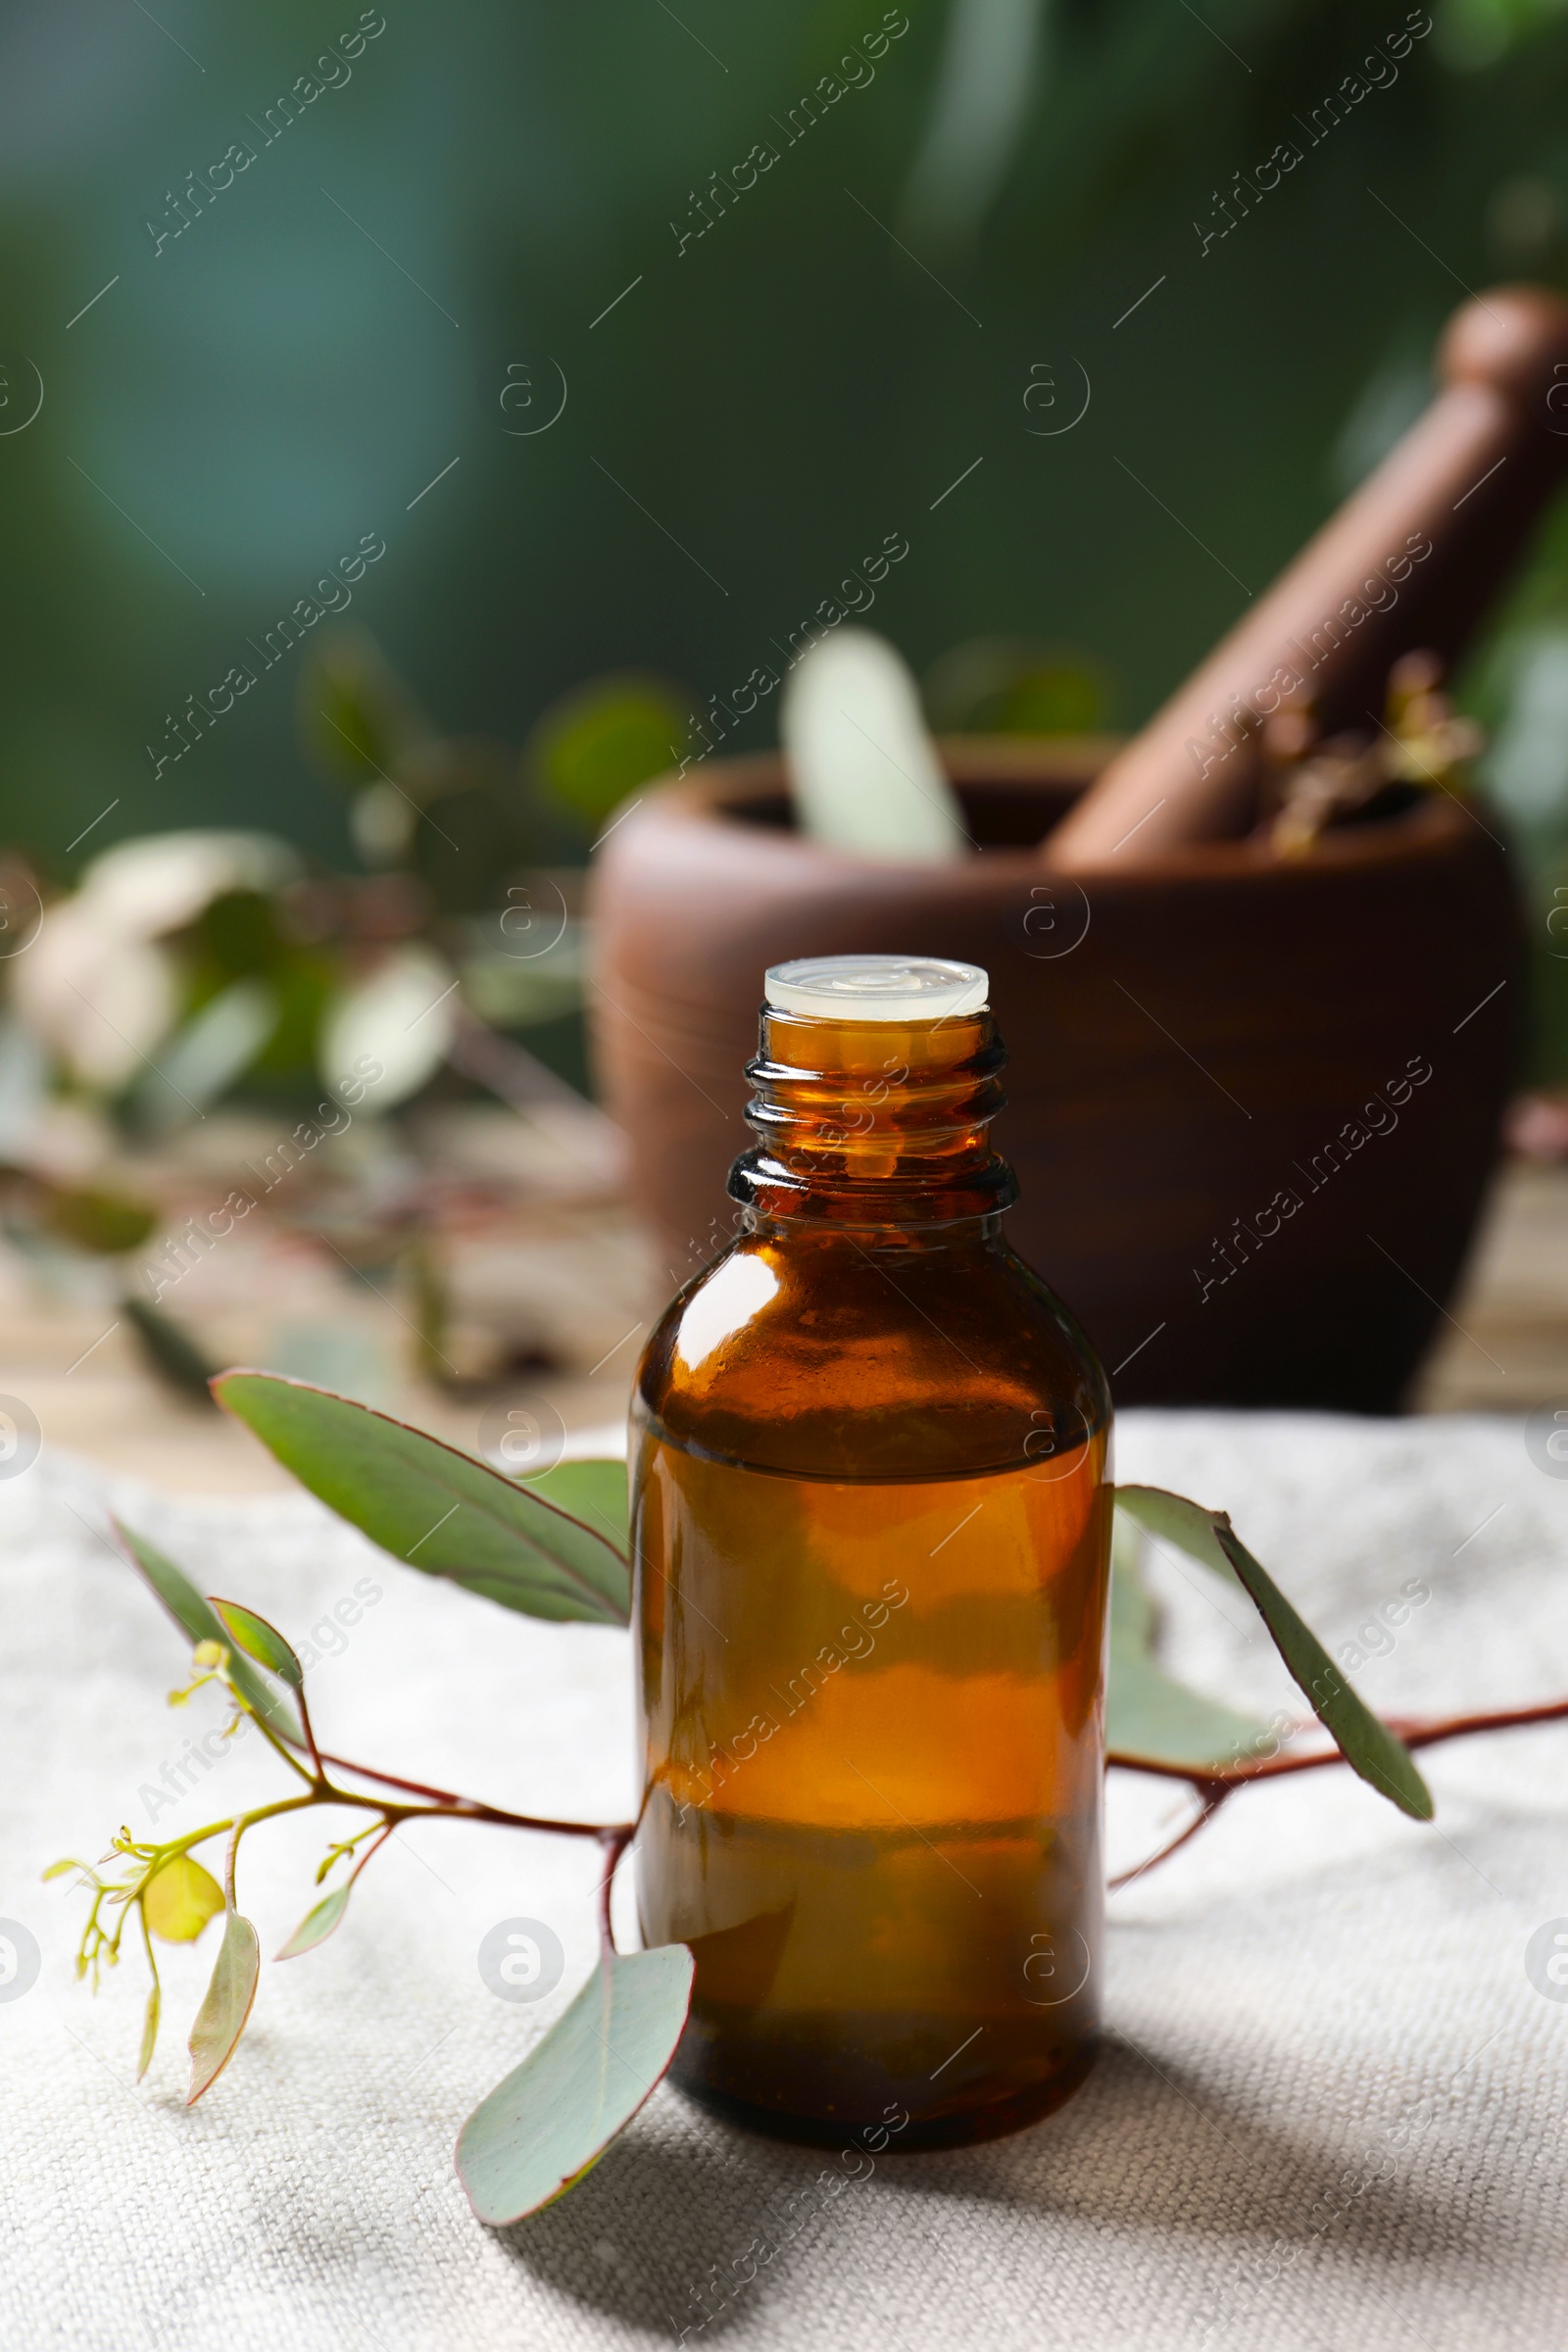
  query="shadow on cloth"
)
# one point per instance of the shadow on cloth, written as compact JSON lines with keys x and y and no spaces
{"x":669,"y":2229}
{"x":1263,"y":2122}
{"x":668,"y":2225}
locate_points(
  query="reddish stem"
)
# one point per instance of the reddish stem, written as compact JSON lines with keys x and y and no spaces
{"x":374,"y":1847}
{"x":1414,"y":1731}
{"x":1415,"y":1734}
{"x":1210,"y":1800}
{"x":470,"y":1808}
{"x":615,"y":1842}
{"x":309,"y":1730}
{"x":1212,"y":1786}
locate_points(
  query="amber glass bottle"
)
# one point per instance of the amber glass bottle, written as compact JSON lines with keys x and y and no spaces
{"x":872,"y":1519}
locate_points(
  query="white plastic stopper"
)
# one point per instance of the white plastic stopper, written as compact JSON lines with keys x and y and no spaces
{"x":877,"y":988}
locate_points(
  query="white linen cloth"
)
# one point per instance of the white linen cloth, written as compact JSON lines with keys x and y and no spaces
{"x":1330,"y":2108}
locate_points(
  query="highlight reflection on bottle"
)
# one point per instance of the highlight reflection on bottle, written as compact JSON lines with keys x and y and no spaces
{"x":871,"y":1515}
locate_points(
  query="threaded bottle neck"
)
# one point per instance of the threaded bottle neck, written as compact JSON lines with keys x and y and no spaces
{"x":874,"y":1122}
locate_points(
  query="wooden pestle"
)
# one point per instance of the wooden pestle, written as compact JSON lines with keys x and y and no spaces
{"x":1413,"y":557}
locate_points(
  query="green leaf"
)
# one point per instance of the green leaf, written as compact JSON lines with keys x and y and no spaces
{"x":596,"y":1493}
{"x":220,"y":2018}
{"x":430,"y":1506}
{"x":199,"y":1620}
{"x":1191,"y":1527}
{"x":260,"y":1641}
{"x":604,"y":738}
{"x":180,"y":1899}
{"x":1367,"y":1745}
{"x":555,"y":2115}
{"x":149,"y":2032}
{"x":317,"y":1925}
{"x":214,"y":1050}
{"x":1148,"y":1713}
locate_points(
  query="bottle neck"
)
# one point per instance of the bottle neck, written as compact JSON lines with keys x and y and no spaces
{"x":869,"y":1123}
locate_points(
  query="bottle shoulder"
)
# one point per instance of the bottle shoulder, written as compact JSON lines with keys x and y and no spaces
{"x":838,"y":1353}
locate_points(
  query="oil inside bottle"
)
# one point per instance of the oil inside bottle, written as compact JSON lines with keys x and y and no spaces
{"x":873,"y":1738}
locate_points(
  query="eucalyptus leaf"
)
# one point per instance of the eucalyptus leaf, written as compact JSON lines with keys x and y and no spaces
{"x":1367,"y":1745}
{"x":554,"y":2116}
{"x":197,"y":1617}
{"x":596,"y":1493}
{"x":260,"y":1641}
{"x":203,"y":1060}
{"x":398,"y":1017}
{"x":149,"y":2032}
{"x":180,"y":1899}
{"x":1148,"y":1713}
{"x":220,"y":2018}
{"x":317,"y":1925}
{"x":864,"y":772}
{"x":432,"y":1507}
{"x":1190,"y":1525}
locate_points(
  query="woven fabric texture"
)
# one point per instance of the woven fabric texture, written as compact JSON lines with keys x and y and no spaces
{"x":1328,"y":2111}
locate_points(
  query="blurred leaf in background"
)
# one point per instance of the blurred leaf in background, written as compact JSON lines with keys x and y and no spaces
{"x":1010,"y":686}
{"x":596,"y":745}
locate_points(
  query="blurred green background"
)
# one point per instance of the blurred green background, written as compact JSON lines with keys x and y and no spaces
{"x":399,"y":289}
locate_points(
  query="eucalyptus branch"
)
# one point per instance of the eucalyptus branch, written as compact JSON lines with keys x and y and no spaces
{"x":378,"y":1839}
{"x":309,"y":1730}
{"x":614,"y":1843}
{"x":1211,"y":1785}
{"x":450,"y":1805}
{"x":312,"y":1779}
{"x":1209,"y":1801}
{"x":173,"y":1897}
